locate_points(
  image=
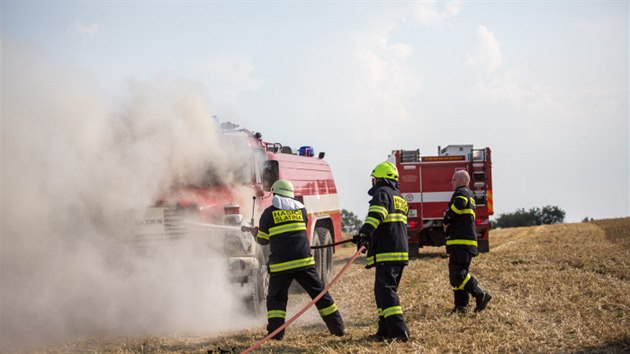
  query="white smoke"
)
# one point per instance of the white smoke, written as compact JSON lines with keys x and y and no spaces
{"x":74,"y":166}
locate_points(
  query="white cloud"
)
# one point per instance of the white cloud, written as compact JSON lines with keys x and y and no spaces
{"x":383,"y":61}
{"x":388,"y":80}
{"x":233,"y":72}
{"x":227,"y":75}
{"x":504,"y":86}
{"x":87,"y":30}
{"x":500,"y":83}
{"x":488,"y":55}
{"x":428,"y":14}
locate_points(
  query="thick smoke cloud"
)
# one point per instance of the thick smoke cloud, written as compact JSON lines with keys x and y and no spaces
{"x":75,"y":167}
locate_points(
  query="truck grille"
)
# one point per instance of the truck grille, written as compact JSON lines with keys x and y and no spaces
{"x":174,"y":227}
{"x":160,"y":224}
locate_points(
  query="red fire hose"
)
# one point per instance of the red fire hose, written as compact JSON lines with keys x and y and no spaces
{"x":270,"y":335}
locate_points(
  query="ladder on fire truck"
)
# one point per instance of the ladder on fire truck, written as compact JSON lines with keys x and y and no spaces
{"x":409,"y":156}
{"x":479,"y":185}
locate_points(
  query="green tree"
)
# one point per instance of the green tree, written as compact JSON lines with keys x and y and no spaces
{"x":520,"y":217}
{"x":350,"y":222}
{"x":535,"y":216}
{"x":552,"y":215}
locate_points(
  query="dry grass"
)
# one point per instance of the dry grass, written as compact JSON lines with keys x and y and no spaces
{"x":557,"y":288}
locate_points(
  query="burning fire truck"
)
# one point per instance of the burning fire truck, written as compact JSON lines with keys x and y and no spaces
{"x":425,"y":182}
{"x":214,"y":210}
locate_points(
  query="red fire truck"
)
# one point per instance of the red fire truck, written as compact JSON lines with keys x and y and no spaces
{"x":214,"y":210}
{"x":425,"y":182}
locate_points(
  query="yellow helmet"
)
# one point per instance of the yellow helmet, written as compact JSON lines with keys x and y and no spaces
{"x":282,"y":187}
{"x":385,"y":170}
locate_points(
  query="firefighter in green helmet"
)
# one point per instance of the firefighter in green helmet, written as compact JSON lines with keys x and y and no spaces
{"x":283,"y":227}
{"x":384,"y":233}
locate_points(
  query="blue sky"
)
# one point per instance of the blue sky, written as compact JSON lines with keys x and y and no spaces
{"x":543,"y":83}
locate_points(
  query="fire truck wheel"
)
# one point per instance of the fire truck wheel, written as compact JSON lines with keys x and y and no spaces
{"x":259,"y":281}
{"x":414,"y":249}
{"x":323,"y":256}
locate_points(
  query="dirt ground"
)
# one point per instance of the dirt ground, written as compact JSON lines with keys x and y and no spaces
{"x":556,"y":288}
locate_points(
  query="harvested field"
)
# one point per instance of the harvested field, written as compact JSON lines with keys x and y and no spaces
{"x":557,"y":288}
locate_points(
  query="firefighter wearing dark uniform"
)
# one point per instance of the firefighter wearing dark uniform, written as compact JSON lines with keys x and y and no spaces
{"x":283,"y":227}
{"x":461,"y":244}
{"x":385,"y":235}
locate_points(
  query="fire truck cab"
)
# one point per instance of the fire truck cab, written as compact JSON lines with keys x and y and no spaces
{"x":216,"y":211}
{"x":425,"y":182}
{"x":314,"y":186}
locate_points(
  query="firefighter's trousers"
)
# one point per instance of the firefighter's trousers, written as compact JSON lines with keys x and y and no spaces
{"x":462,"y":282}
{"x":390,"y":317}
{"x":278,"y":296}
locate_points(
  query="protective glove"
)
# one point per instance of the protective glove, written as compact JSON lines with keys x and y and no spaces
{"x":251,"y":230}
{"x":361,"y":240}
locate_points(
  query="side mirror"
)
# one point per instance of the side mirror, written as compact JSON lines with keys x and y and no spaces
{"x":270,"y":174}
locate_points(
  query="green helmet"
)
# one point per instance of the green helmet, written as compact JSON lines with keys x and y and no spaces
{"x":282,"y":187}
{"x":385,"y":170}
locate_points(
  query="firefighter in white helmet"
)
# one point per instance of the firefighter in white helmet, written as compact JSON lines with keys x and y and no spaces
{"x":461,"y":245}
{"x":385,"y":235}
{"x":283,"y":226}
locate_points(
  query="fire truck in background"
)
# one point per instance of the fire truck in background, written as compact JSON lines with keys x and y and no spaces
{"x":425,"y":182}
{"x":213,"y":210}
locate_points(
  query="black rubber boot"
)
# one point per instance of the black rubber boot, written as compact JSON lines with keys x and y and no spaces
{"x":335,"y":324}
{"x":403,"y":337}
{"x":461,"y":298}
{"x":481,"y":297}
{"x":458,"y":311}
{"x":272,"y":325}
{"x":482,"y":301}
{"x":381,"y":333}
{"x":377,"y":337}
{"x":397,"y":328}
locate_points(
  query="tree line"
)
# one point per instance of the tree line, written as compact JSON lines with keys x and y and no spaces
{"x":549,"y":214}
{"x":350,"y":222}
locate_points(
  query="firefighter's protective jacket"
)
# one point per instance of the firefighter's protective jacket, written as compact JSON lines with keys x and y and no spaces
{"x":283,"y":227}
{"x":460,"y":218}
{"x":386,"y":225}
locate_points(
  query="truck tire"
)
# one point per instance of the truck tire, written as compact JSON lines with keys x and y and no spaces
{"x":259,"y":280}
{"x":414,"y":249}
{"x":323,"y":256}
